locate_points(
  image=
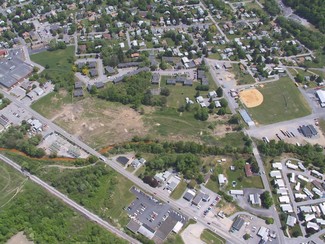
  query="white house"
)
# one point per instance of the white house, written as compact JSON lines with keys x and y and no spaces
{"x":276,"y":174}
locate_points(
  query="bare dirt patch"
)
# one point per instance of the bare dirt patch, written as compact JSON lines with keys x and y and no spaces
{"x":228,"y":208}
{"x":251,"y":98}
{"x":101,"y":123}
{"x":19,"y":238}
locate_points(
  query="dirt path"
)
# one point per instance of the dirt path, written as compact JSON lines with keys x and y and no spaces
{"x":191,"y":235}
{"x":19,"y":238}
{"x":68,"y":167}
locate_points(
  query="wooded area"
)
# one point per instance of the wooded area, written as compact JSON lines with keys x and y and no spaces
{"x":312,"y":10}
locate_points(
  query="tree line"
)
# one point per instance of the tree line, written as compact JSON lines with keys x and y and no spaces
{"x":311,"y":39}
{"x":15,"y":137}
{"x":133,"y":90}
{"x":310,"y":154}
{"x":312,"y":10}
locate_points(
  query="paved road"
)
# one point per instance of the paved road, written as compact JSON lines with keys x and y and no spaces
{"x":70,"y":202}
{"x":117,"y":167}
{"x":268,"y":188}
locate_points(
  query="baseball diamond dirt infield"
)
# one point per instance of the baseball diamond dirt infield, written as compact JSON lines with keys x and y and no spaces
{"x":251,"y":98}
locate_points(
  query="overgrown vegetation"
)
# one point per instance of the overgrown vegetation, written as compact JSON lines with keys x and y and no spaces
{"x":133,"y":90}
{"x":45,"y":219}
{"x":312,"y":10}
{"x":310,"y":154}
{"x":15,"y":137}
{"x":311,"y":39}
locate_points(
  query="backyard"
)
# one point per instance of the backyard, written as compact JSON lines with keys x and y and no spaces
{"x":281,"y":101}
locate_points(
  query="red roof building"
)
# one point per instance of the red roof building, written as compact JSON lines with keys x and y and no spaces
{"x":3,"y":53}
{"x":248,"y":170}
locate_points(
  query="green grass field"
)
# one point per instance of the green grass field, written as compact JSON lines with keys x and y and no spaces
{"x":52,"y":103}
{"x":178,"y":192}
{"x":178,"y":92}
{"x":169,"y":122}
{"x":211,"y":238}
{"x":10,"y":183}
{"x":281,"y":101}
{"x":241,"y":77}
{"x":58,"y":61}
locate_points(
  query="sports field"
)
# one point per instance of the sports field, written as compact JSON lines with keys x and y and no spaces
{"x":281,"y":101}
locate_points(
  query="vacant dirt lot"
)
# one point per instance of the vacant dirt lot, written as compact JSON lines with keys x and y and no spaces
{"x":251,"y":98}
{"x":100,"y":123}
{"x":19,"y":238}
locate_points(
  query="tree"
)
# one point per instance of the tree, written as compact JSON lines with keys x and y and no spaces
{"x":299,"y":78}
{"x":246,"y":236}
{"x":219,"y":91}
{"x":266,"y":199}
{"x":255,"y":168}
{"x":223,"y":102}
{"x":164,"y":91}
{"x":202,"y":114}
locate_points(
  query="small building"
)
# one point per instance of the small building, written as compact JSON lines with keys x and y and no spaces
{"x":276,"y":174}
{"x":291,"y":166}
{"x":78,"y":93}
{"x":78,"y":85}
{"x":255,"y":199}
{"x":236,"y":192}
{"x":277,"y":165}
{"x":122,"y":160}
{"x":93,"y":72}
{"x":312,"y":225}
{"x":222,"y":179}
{"x":279,"y":183}
{"x":237,"y":224}
{"x":284,"y":199}
{"x":110,"y":70}
{"x":286,"y":208}
{"x":282,"y":192}
{"x":197,"y":199}
{"x":155,"y":79}
{"x":227,"y":66}
{"x":309,"y":217}
{"x":305,"y":209}
{"x":248,"y":170}
{"x":188,"y":196}
{"x":301,"y":177}
{"x":291,"y":221}
{"x":300,"y":196}
{"x":317,"y":184}
{"x":293,"y":178}
{"x":263,"y":232}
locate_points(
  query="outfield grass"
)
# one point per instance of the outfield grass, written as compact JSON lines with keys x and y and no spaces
{"x":169,"y":122}
{"x":281,"y":101}
{"x":52,"y":103}
{"x":10,"y":182}
{"x":211,"y":238}
{"x":241,"y":77}
{"x":178,"y":192}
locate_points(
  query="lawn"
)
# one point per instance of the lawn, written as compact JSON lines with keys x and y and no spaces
{"x":215,"y":56}
{"x":178,"y":192}
{"x":59,"y":62}
{"x":10,"y":183}
{"x":281,"y":101}
{"x":170,"y":123}
{"x":51,"y":104}
{"x":211,"y":238}
{"x":241,"y":180}
{"x":241,"y":76}
{"x":178,"y":93}
{"x":212,"y":185}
